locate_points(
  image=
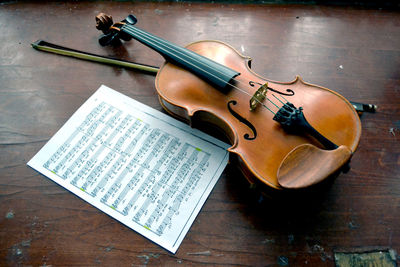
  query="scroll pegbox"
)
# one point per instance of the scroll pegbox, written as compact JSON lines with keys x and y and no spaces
{"x":112,"y":32}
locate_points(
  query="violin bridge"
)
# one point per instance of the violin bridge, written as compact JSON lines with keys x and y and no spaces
{"x":258,"y":96}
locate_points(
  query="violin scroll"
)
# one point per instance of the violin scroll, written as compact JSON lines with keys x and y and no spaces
{"x":112,"y":31}
{"x":104,"y":22}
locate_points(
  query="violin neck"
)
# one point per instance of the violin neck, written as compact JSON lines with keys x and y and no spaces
{"x":214,"y":73}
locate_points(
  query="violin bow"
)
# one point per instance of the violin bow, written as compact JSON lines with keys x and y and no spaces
{"x":65,"y":51}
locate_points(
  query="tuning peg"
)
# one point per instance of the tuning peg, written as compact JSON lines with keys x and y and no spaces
{"x":105,"y":24}
{"x":109,"y":39}
{"x":112,"y":32}
{"x":131,"y":19}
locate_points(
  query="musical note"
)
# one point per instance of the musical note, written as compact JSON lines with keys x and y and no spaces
{"x":128,"y":159}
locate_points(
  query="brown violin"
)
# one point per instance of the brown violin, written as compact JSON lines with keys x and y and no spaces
{"x":285,"y":135}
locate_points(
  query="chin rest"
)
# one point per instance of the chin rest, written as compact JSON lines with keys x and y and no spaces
{"x":307,"y":165}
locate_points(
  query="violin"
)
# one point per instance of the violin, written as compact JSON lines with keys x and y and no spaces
{"x":285,"y":135}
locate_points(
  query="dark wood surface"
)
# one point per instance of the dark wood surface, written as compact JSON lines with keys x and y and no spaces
{"x":353,"y":51}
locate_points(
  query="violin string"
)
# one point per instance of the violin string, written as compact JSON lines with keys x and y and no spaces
{"x":174,"y":48}
{"x":278,"y":99}
{"x":273,"y":102}
{"x":177,"y":50}
{"x":156,"y":40}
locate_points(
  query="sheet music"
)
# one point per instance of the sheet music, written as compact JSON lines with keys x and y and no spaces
{"x":140,"y":166}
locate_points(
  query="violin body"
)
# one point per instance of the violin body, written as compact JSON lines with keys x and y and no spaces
{"x":275,"y":143}
{"x":189,"y":98}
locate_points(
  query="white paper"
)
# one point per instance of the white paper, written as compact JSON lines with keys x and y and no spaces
{"x":138,"y":165}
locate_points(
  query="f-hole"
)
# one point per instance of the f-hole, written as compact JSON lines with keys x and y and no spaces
{"x":242,"y":120}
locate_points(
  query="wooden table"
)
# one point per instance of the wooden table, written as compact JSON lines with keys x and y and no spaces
{"x":353,"y":51}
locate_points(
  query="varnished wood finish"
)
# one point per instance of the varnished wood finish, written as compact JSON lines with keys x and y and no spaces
{"x":353,"y":51}
{"x":328,"y":112}
{"x":306,"y":165}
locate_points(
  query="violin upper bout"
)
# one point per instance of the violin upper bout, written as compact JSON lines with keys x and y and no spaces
{"x":307,"y":165}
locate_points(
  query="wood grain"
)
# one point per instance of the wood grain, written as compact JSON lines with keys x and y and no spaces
{"x":353,"y":51}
